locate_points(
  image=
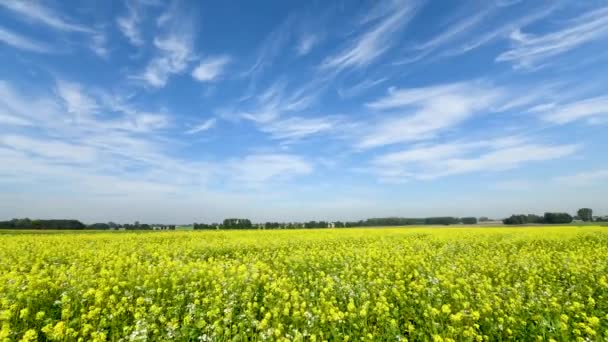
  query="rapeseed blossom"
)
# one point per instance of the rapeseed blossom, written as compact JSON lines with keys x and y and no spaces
{"x":451,"y":284}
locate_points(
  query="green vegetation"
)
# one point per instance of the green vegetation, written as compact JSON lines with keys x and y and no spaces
{"x":548,"y":218}
{"x":586,"y":214}
{"x":42,"y":224}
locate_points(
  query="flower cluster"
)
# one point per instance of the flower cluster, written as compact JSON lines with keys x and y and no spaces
{"x":452,"y":284}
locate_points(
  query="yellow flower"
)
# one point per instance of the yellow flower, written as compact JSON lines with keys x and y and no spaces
{"x":594,"y":321}
{"x":445,"y":308}
{"x":30,"y":336}
{"x":24,"y":313}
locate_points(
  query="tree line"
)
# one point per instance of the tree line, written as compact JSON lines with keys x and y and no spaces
{"x":234,"y":223}
{"x":583,"y":214}
{"x":26,"y":223}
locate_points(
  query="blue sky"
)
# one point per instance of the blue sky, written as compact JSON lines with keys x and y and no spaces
{"x":189,"y":111}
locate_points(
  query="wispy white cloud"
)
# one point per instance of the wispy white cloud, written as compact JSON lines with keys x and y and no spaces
{"x":474,"y":31}
{"x":210,"y":68}
{"x":145,"y":122}
{"x":204,"y":126}
{"x":12,"y":120}
{"x":356,"y":89}
{"x":99,"y":44}
{"x":587,"y":109}
{"x":529,"y":50}
{"x":425,"y":112}
{"x":378,"y":38}
{"x":174,"y":48}
{"x":277,"y":100}
{"x":23,"y":43}
{"x":584,"y":178}
{"x":505,"y":159}
{"x":306,"y":44}
{"x":501,"y":31}
{"x":298,"y":127}
{"x":284,"y":113}
{"x":268,"y":104}
{"x":131,"y":119}
{"x":72,"y":111}
{"x":270,"y":48}
{"x":454,"y":32}
{"x":522,"y":96}
{"x":257,"y":169}
{"x":433,"y":152}
{"x":425,"y":162}
{"x":173,"y":57}
{"x":76,"y":101}
{"x":105,"y":148}
{"x":36,"y":12}
{"x":129,"y":24}
{"x":49,"y":148}
{"x":29,"y":107}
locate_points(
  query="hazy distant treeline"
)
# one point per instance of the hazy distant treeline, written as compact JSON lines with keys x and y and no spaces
{"x":584,"y":214}
{"x":42,"y":224}
{"x":548,"y":218}
{"x":26,"y":223}
{"x":244,"y":223}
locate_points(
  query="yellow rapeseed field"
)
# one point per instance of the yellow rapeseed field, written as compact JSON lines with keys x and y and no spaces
{"x":432,"y":284}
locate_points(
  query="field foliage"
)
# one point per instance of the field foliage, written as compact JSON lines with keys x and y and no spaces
{"x":438,"y":284}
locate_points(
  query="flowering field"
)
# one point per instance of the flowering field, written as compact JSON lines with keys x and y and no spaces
{"x":474,"y":284}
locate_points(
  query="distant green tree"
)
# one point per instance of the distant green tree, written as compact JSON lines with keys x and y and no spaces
{"x":42,"y":224}
{"x":516,"y":219}
{"x":99,"y":226}
{"x":235,"y":223}
{"x":447,"y":220}
{"x":524,"y":219}
{"x":557,"y":218}
{"x":586,"y":214}
{"x":469,"y":220}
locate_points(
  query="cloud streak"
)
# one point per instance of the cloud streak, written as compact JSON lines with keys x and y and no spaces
{"x":204,"y":126}
{"x":210,"y":69}
{"x":174,"y":54}
{"x":257,"y":169}
{"x":530,"y":50}
{"x":34,"y":11}
{"x":376,"y":40}
{"x":585,"y":178}
{"x":295,"y":128}
{"x":23,"y":43}
{"x":76,"y":101}
{"x":427,"y":162}
{"x":129,"y":25}
{"x":306,"y":44}
{"x":586,"y":109}
{"x":422,"y":113}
